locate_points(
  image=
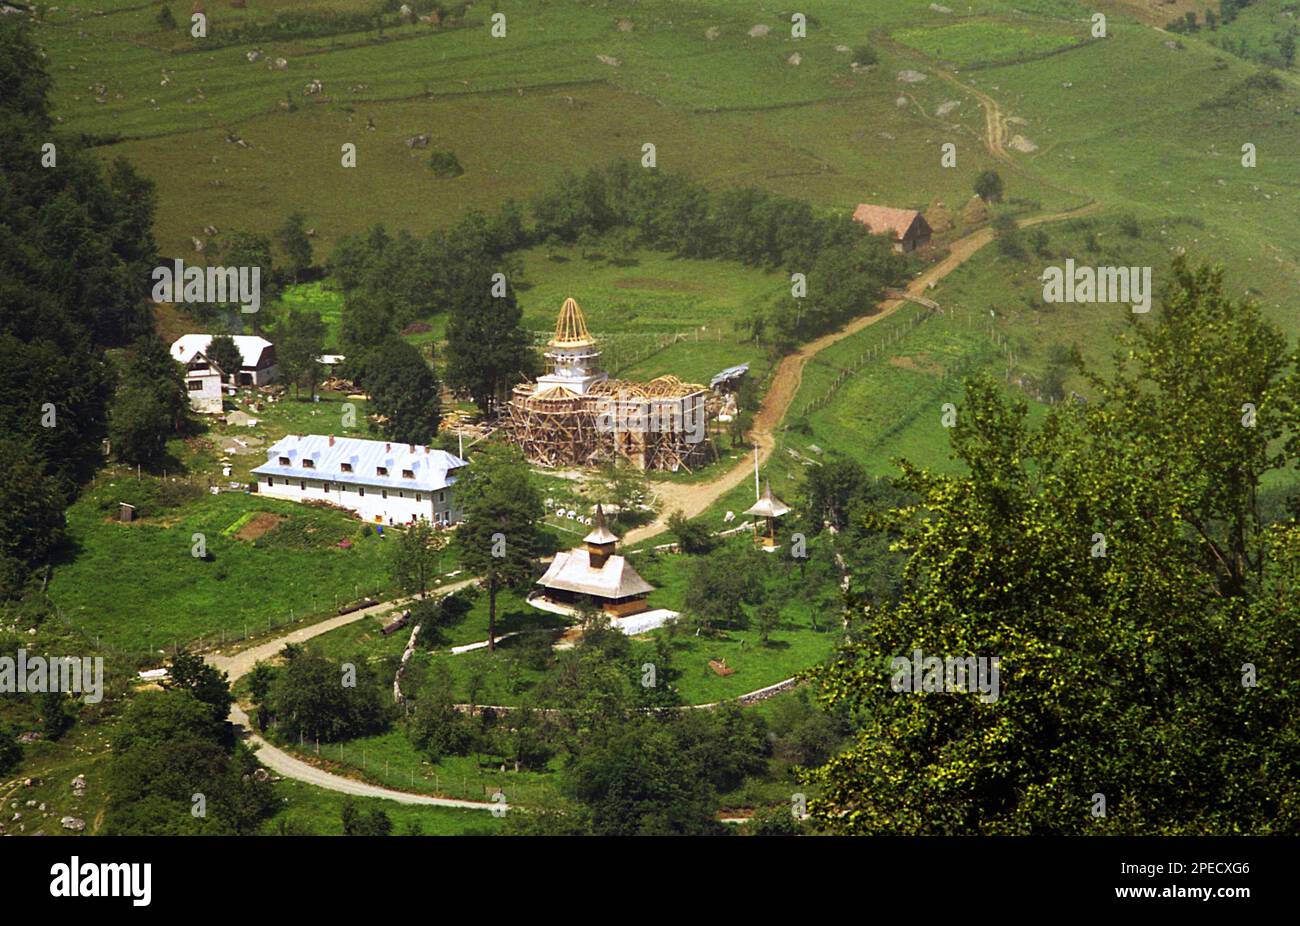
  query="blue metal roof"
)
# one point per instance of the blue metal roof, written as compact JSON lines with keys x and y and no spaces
{"x":430,"y":469}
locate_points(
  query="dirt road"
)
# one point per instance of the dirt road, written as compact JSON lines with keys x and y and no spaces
{"x":279,"y":761}
{"x":693,"y":498}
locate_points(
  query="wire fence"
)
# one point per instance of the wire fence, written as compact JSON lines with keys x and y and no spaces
{"x":870,"y":355}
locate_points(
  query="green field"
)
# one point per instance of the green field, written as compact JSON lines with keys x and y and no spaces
{"x":1146,"y":125}
{"x":313,"y":811}
{"x":988,"y":42}
{"x":138,"y":588}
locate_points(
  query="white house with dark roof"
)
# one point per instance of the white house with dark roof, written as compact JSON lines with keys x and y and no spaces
{"x":257,"y":365}
{"x":383,"y":482}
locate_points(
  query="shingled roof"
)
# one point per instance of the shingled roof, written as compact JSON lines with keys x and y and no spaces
{"x":571,"y":571}
{"x":882,"y":219}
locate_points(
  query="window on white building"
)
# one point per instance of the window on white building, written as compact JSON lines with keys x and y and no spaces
{"x":284,"y":461}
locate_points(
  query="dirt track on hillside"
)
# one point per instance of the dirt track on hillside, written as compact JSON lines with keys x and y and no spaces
{"x":693,"y":498}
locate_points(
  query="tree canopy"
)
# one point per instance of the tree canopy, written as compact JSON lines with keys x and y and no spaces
{"x":1116,"y":562}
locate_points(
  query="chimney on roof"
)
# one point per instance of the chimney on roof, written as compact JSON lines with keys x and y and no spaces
{"x":388,"y":448}
{"x":331,"y":440}
{"x":412,"y":448}
{"x":426,"y":450}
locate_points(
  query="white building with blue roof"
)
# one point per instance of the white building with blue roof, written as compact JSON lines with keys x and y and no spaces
{"x":383,"y":482}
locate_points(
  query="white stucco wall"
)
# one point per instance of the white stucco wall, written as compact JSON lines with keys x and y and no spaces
{"x":207,"y":398}
{"x":401,"y":505}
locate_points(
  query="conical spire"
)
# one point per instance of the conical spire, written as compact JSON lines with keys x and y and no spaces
{"x":600,"y":534}
{"x":768,"y":505}
{"x":571,"y":327}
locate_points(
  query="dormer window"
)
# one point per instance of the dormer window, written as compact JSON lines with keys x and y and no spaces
{"x":284,"y":461}
{"x":346,"y":467}
{"x":308,"y":464}
{"x":381,"y":470}
{"x":408,"y":474}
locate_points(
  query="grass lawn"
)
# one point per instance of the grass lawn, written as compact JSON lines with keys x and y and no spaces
{"x":975,"y":42}
{"x":138,"y":588}
{"x":320,"y":812}
{"x":390,"y":760}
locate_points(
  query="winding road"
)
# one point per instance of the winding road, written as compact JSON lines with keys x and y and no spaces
{"x":690,"y":499}
{"x":277,"y":760}
{"x":693,"y":498}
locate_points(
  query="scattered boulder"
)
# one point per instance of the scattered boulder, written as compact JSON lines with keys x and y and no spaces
{"x":795,"y":59}
{"x":946,"y":107}
{"x":712,"y":33}
{"x":901,"y":102}
{"x":759,"y":31}
{"x":418,"y":141}
{"x":606,"y":59}
{"x":624,"y":25}
{"x":73,"y":823}
{"x":911,"y":77}
{"x":939,"y":8}
{"x":1022,"y":144}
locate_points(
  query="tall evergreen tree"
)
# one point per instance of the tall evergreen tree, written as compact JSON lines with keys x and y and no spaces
{"x":488,"y":350}
{"x":404,"y":390}
{"x":498,"y":538}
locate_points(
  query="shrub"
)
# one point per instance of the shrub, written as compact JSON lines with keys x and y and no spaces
{"x":445,"y":164}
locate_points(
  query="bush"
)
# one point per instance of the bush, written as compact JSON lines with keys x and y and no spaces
{"x":692,"y":536}
{"x":11,"y":751}
{"x":988,"y":186}
{"x":864,"y":56}
{"x":445,"y":164}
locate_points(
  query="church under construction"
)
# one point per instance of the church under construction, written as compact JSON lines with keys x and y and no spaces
{"x":577,"y":415}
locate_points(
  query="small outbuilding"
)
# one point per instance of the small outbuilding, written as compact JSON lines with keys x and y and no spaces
{"x":906,"y":227}
{"x":769,"y":508}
